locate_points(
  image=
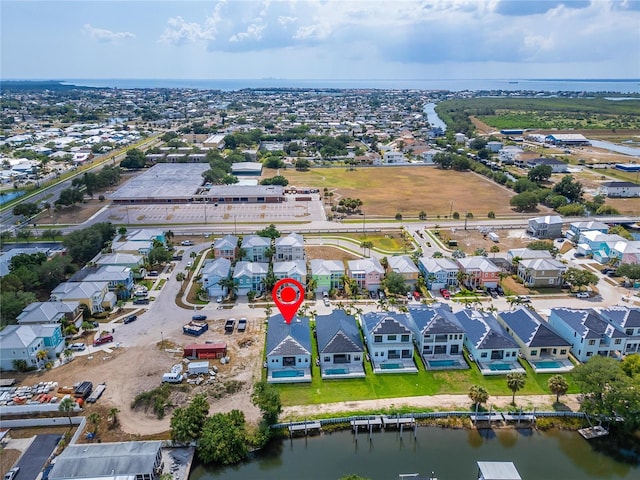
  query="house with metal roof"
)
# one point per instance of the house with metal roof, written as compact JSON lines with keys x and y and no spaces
{"x":497,"y":471}
{"x":541,"y":272}
{"x":290,"y":247}
{"x":619,"y":189}
{"x":340,"y":348}
{"x":126,"y":259}
{"x":51,"y":312}
{"x":94,"y":295}
{"x":598,"y":245}
{"x":121,"y":460}
{"x":567,"y":139}
{"x":255,"y":248}
{"x":367,"y":273}
{"x":403,"y":265}
{"x":557,"y":166}
{"x":488,"y":343}
{"x":549,"y":226}
{"x":327,"y":274}
{"x":439,"y":272}
{"x":226,"y":247}
{"x":439,"y":337}
{"x":543,"y":347}
{"x":628,"y":320}
{"x":24,"y":342}
{"x":588,"y":332}
{"x":296,"y":269}
{"x":479,"y":272}
{"x":578,"y":228}
{"x":213,"y":272}
{"x":250,"y":276}
{"x":389,"y":339}
{"x":288,"y":348}
{"x":119,"y":278}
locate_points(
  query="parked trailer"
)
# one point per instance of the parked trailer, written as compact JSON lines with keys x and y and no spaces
{"x":95,"y":395}
{"x":83,"y":390}
{"x":204,"y":351}
{"x":493,"y":236}
{"x":198,"y":368}
{"x":195,"y":328}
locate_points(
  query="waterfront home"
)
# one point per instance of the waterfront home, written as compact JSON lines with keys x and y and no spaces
{"x":296,"y":269}
{"x":51,"y":312}
{"x":213,"y":273}
{"x":439,"y":337}
{"x":340,"y":347}
{"x":94,"y":295}
{"x":290,"y":247}
{"x":24,"y":342}
{"x":255,"y":248}
{"x":541,"y":272}
{"x":577,"y":228}
{"x":404,"y":266}
{"x":439,"y":272}
{"x":544,"y":348}
{"x":367,"y":272}
{"x":389,"y":339}
{"x":479,"y":272}
{"x":588,"y":332}
{"x":327,"y":274}
{"x":288,"y":348}
{"x":226,"y":247}
{"x":628,"y":320}
{"x":250,"y":276}
{"x":549,"y":226}
{"x":488,"y":343}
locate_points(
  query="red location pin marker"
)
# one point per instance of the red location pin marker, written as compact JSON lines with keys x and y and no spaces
{"x":288,"y":294}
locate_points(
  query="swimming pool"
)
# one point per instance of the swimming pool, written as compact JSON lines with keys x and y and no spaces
{"x":442,"y":363}
{"x":500,"y":367}
{"x":336,"y":371}
{"x":547,"y":364}
{"x":391,"y":366}
{"x":287,"y":373}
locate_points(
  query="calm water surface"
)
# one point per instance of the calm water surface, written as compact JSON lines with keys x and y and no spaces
{"x":451,"y":454}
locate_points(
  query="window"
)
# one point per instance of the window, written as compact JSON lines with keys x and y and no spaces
{"x":592,"y":342}
{"x":391,"y":338}
{"x":404,"y":338}
{"x":534,"y":353}
{"x":377,"y":339}
{"x":356,"y":358}
{"x":326,"y":359}
{"x":563,"y":351}
{"x":483,"y":355}
{"x":376,"y":354}
{"x":589,"y":354}
{"x":618,"y":341}
{"x":629,"y":331}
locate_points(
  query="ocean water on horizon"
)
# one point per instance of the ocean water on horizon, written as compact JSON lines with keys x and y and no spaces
{"x":542,"y":85}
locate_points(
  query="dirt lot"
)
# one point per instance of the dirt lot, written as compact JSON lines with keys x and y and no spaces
{"x":128,"y":372}
{"x":471,"y":239}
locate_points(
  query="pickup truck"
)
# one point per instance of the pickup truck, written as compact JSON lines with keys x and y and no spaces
{"x":242,"y":324}
{"x":229,"y":325}
{"x":445,"y":293}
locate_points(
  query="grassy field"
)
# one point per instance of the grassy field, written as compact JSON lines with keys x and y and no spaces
{"x":407,"y":385}
{"x":386,"y":191}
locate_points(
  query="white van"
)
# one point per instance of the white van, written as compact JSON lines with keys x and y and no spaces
{"x":172,"y":377}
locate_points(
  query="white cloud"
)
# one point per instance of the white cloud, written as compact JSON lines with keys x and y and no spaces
{"x":103,"y":35}
{"x":179,"y":32}
{"x":253,"y":32}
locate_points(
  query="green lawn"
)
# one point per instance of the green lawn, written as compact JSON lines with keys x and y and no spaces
{"x":406,"y":385}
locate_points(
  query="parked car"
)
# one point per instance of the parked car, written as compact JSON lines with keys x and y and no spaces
{"x":199,"y":317}
{"x":493,"y":292}
{"x":186,"y":243}
{"x":189,"y":264}
{"x":409,"y":296}
{"x":582,"y":295}
{"x":11,"y":474}
{"x":130,"y":318}
{"x":219,"y":299}
{"x":242,"y":324}
{"x":77,"y":347}
{"x":102,"y":340}
{"x":153,"y":273}
{"x":500,"y":290}
{"x":523,"y":298}
{"x":326,"y":301}
{"x":445,"y":293}
{"x":141,"y":301}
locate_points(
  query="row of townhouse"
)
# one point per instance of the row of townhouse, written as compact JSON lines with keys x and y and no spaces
{"x":96,"y":288}
{"x":493,"y":342}
{"x":259,"y":249}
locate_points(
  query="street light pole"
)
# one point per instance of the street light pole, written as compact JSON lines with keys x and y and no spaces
{"x":161,"y":338}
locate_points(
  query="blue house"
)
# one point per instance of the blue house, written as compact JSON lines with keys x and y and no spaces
{"x":23,"y":342}
{"x":340,"y":347}
{"x":288,"y":350}
{"x":488,"y":343}
{"x":255,"y":248}
{"x":439,"y":337}
{"x":544,"y":348}
{"x":250,"y":276}
{"x":389,"y":340}
{"x":588,"y":333}
{"x":439,"y":272}
{"x":213,"y":271}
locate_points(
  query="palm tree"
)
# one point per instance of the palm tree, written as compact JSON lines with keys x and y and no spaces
{"x":515,"y":382}
{"x":382,"y":305}
{"x":94,"y":419}
{"x":113,"y":417}
{"x":495,"y":249}
{"x":41,"y":355}
{"x":67,"y":354}
{"x":66,"y":406}
{"x":478,"y":395}
{"x":366,"y":245}
{"x":267,"y":310}
{"x":312,"y":284}
{"x":230,"y":284}
{"x":515,"y":261}
{"x":558,"y":385}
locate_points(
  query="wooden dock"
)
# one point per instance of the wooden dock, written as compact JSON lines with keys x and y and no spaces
{"x":510,"y":417}
{"x":484,"y":417}
{"x":304,"y":427}
{"x":398,"y":421}
{"x":370,"y":423}
{"x":593,"y":432}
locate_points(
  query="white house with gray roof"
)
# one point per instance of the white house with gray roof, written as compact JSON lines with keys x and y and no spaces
{"x":543,"y":347}
{"x":296,"y":269}
{"x":113,"y":461}
{"x":288,"y":348}
{"x":628,"y":320}
{"x":290,"y":247}
{"x":389,"y":339}
{"x":549,"y":226}
{"x":340,"y":348}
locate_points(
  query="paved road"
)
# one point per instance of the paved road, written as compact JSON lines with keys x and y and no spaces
{"x":32,"y":461}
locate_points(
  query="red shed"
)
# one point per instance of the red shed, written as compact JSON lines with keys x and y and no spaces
{"x":205,"y":350}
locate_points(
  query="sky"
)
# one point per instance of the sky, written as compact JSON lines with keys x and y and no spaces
{"x":320,"y":39}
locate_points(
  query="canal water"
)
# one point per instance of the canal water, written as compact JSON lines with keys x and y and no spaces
{"x":450,"y":453}
{"x":433,"y":118}
{"x":6,"y":196}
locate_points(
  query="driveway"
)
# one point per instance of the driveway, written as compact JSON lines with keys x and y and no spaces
{"x":33,"y":460}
